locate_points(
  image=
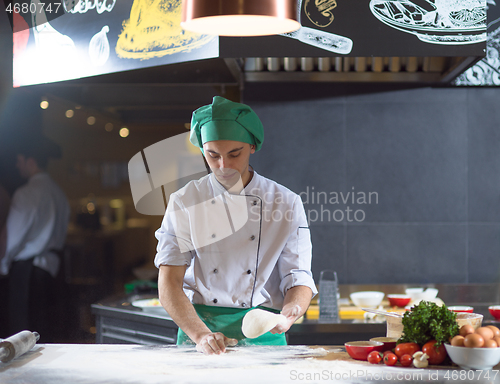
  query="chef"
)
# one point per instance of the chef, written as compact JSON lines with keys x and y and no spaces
{"x":35,"y":233}
{"x":232,"y":240}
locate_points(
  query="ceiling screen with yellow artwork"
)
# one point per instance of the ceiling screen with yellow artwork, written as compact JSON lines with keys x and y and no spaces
{"x":70,"y":39}
{"x":92,"y":37}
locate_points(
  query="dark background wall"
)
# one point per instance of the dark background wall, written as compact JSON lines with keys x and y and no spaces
{"x":431,"y":154}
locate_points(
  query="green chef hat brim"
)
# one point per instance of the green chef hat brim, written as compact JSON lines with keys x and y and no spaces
{"x":226,"y":120}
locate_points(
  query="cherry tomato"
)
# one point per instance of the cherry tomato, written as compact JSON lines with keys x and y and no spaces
{"x":374,"y":357}
{"x":386,"y":353}
{"x":406,"y":360}
{"x":436,"y":354}
{"x":406,"y":349}
{"x":390,"y":359}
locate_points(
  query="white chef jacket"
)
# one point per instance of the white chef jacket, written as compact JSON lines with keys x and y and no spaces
{"x":37,"y":224}
{"x":242,"y":250}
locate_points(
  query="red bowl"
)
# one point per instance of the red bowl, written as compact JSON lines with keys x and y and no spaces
{"x":389,"y":342}
{"x":398,"y":300}
{"x":495,"y":311}
{"x":359,"y":350}
{"x":461,"y":308}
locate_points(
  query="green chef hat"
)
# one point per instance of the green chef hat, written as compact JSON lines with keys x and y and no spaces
{"x":226,"y":120}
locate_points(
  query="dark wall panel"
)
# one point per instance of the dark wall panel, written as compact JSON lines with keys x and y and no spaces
{"x":304,"y":147}
{"x":406,"y":253}
{"x":411,"y":153}
{"x":484,"y":155}
{"x":484,"y":252}
{"x":431,"y":155}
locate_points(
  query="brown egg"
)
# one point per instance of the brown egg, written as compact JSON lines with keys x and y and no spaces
{"x":485,"y":332}
{"x":490,"y":344}
{"x":496,"y":331}
{"x":473,"y":340}
{"x":466,"y":329}
{"x":457,"y":341}
{"x":497,"y":340}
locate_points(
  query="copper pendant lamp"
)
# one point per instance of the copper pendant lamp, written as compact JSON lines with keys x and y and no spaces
{"x":240,"y":17}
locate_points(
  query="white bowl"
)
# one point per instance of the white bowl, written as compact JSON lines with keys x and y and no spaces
{"x":367,"y":299}
{"x":412,"y":291}
{"x":418,"y":294}
{"x":473,"y":358}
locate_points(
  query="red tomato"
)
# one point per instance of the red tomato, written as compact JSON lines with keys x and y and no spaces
{"x":386,"y":353}
{"x":436,"y":354}
{"x":390,"y":359}
{"x":406,"y":349}
{"x":406,"y":360}
{"x":374,"y":357}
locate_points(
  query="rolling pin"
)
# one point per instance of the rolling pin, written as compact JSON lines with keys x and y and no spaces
{"x":16,"y":345}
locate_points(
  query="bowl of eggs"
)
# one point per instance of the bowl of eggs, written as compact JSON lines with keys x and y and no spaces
{"x":475,"y":348}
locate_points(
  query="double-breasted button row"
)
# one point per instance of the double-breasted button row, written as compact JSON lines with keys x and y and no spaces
{"x":249,"y":271}
{"x":242,"y":304}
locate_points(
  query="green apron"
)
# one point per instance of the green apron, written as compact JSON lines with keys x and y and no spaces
{"x":228,"y":321}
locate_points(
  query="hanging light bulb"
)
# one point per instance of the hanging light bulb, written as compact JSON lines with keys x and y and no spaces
{"x":240,"y":18}
{"x":44,"y":104}
{"x":124,"y":132}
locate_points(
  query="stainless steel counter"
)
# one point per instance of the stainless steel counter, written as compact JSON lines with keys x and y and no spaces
{"x":117,"y":321}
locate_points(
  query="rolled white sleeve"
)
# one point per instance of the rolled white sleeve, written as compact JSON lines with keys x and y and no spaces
{"x":294,"y":263}
{"x":174,"y":239}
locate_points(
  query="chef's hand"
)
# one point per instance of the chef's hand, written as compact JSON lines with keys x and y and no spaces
{"x":215,"y":343}
{"x":292,"y":313}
